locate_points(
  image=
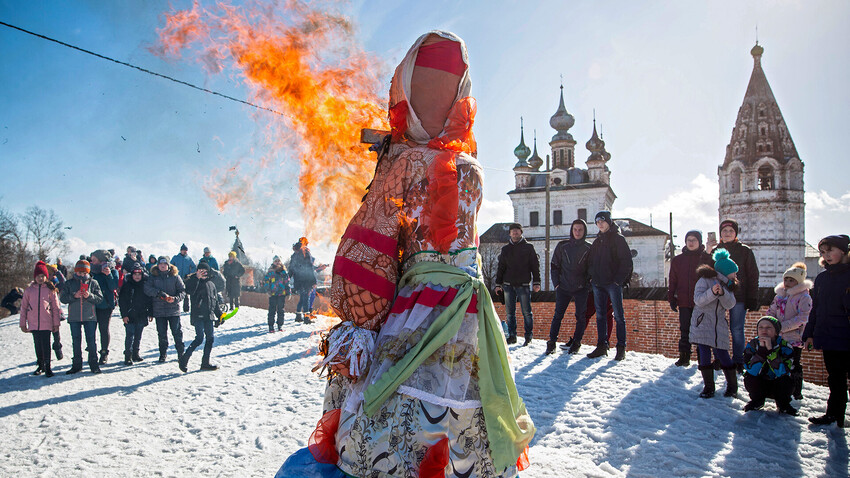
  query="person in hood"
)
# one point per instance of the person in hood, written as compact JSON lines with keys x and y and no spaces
{"x":185,"y":266}
{"x":151,"y":263}
{"x":610,"y":270}
{"x":108,"y":279}
{"x":166,"y":289}
{"x":714,"y":294}
{"x":130,"y":259}
{"x":517,"y":270}
{"x":302,"y":270}
{"x":792,"y":306}
{"x":210,"y":259}
{"x":572,"y":282}
{"x":418,"y":362}
{"x":202,"y":290}
{"x":136,"y":311}
{"x":680,"y":289}
{"x":12,"y":300}
{"x":746,"y":296}
{"x":828,"y":328}
{"x":82,"y":294}
{"x":277,"y":285}
{"x":232,"y":271}
{"x":40,"y":316}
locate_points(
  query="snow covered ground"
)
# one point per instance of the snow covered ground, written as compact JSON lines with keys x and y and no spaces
{"x":596,"y":418}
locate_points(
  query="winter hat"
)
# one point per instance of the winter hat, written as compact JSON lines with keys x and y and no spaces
{"x":184,"y":248}
{"x":206,"y":249}
{"x":82,"y":266}
{"x":605,"y":216}
{"x":696,"y":234}
{"x":40,"y":268}
{"x":796,"y":272}
{"x":841,"y":241}
{"x":137,"y":267}
{"x":773,"y":321}
{"x":731,"y":223}
{"x":162,"y":260}
{"x":514,"y":226}
{"x":232,"y":254}
{"x":203,"y":265}
{"x":723,"y":264}
{"x":276,"y":258}
{"x":151,"y":257}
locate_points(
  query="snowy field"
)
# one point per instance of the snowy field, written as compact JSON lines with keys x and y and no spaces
{"x":596,"y":418}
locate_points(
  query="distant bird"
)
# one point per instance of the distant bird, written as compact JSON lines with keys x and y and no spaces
{"x":69,"y":227}
{"x":122,"y":137}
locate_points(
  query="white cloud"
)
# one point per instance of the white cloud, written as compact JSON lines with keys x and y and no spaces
{"x":823,"y":201}
{"x":492,"y":212}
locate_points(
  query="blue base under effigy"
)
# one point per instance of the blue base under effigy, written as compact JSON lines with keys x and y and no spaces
{"x":301,"y":464}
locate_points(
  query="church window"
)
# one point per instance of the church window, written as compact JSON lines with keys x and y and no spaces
{"x":569,"y":158}
{"x":762,"y":111}
{"x":735,"y":181}
{"x":766,"y":178}
{"x":768,"y":147}
{"x":582,"y":214}
{"x":557,"y":217}
{"x":762,"y":129}
{"x":534,"y":219}
{"x":742,"y":133}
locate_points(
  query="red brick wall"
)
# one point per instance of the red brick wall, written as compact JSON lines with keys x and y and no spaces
{"x":651,"y":327}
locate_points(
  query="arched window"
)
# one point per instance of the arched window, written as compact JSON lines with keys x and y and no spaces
{"x":766,"y":181}
{"x":735,"y":181}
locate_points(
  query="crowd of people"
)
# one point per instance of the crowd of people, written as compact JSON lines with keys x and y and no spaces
{"x":144,"y":291}
{"x":712,"y":293}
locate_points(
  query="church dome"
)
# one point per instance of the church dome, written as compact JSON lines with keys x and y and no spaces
{"x":562,"y":121}
{"x":536,"y":161}
{"x":521,"y":151}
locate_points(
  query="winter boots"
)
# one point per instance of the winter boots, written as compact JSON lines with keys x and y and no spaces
{"x":299,"y":317}
{"x":128,"y":359}
{"x":621,"y":353}
{"x":309,"y":317}
{"x":599,"y":351}
{"x":708,"y":379}
{"x":103,"y":355}
{"x":731,"y":382}
{"x":208,"y":366}
{"x":57,"y":349}
{"x":827,"y":419}
{"x":527,"y":341}
{"x":568,"y":344}
{"x":684,"y":359}
{"x":574,"y":348}
{"x":550,"y":348}
{"x":511,"y":339}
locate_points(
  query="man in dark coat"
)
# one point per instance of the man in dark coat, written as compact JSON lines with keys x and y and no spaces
{"x":680,"y":291}
{"x":232,"y":271}
{"x":166,"y":288}
{"x":746,"y":296}
{"x":518,"y":267}
{"x":202,"y":292}
{"x":572,"y":282}
{"x":302,"y":269}
{"x":610,"y":271}
{"x":136,"y":311}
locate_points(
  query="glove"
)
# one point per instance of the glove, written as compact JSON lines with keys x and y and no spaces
{"x":674,"y":305}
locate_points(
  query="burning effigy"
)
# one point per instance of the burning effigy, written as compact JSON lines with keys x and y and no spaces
{"x":420,"y":382}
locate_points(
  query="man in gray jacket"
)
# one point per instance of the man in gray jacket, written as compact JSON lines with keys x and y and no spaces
{"x":81,"y":293}
{"x":167,"y":290}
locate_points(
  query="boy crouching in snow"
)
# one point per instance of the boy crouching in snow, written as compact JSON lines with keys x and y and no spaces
{"x":767,"y":367}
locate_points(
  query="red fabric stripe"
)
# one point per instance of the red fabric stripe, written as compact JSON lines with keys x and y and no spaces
{"x":443,"y":55}
{"x":381,"y":243}
{"x":431,"y":298}
{"x":365,"y":279}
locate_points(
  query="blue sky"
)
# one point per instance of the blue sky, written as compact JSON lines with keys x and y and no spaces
{"x":121,"y":155}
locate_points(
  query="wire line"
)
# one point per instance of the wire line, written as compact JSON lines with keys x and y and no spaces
{"x":143,"y":70}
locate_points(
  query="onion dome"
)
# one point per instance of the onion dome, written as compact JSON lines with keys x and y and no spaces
{"x":596,"y":146}
{"x":562,"y":121}
{"x":536,"y":161}
{"x":521,"y":151}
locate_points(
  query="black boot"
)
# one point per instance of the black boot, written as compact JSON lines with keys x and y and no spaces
{"x":47,"y":370}
{"x":574,"y":348}
{"x":621,"y":352}
{"x":550,"y":348}
{"x":39,"y":370}
{"x":299,"y":317}
{"x":731,"y":382}
{"x":511,"y":339}
{"x":57,"y":349}
{"x":708,"y":379}
{"x":136,"y":357}
{"x":753,"y":405}
{"x":103,"y":355}
{"x":684,"y":360}
{"x":128,"y":359}
{"x":183,"y":363}
{"x":208,"y":366}
{"x":599,"y":351}
{"x":75,"y":367}
{"x":162,"y":357}
{"x":567,"y":344}
{"x":826,"y":420}
{"x":527,"y":341}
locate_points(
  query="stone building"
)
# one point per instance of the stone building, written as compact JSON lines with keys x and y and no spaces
{"x":573,"y":193}
{"x":761,"y":182}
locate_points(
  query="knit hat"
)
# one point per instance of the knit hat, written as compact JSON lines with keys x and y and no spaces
{"x":731,"y":223}
{"x":515,"y":225}
{"x":275,"y":258}
{"x":773,"y":321}
{"x":231,"y":254}
{"x":162,"y":260}
{"x":206,"y":249}
{"x":723,"y":264}
{"x":40,"y":268}
{"x":696,"y":234}
{"x":605,"y":216}
{"x":203,"y":265}
{"x":840,"y":241}
{"x":796,"y":272}
{"x":184,"y":248}
{"x":82,"y":266}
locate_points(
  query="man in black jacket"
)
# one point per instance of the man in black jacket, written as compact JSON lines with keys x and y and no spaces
{"x":518,"y":267}
{"x":572,"y":281}
{"x":203,"y":293}
{"x":610,"y":270}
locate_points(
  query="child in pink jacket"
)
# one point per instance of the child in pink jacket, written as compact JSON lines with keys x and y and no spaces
{"x":40,"y":316}
{"x":791,"y":306}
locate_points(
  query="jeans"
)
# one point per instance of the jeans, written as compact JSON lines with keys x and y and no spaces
{"x":90,"y":329}
{"x":203,"y":333}
{"x":133,"y":337}
{"x":685,"y":314}
{"x":103,"y":316}
{"x":303,"y":300}
{"x":737,"y":318}
{"x":276,"y":306}
{"x":601,"y":294}
{"x":704,"y":354}
{"x":162,"y":325}
{"x":523,"y":293}
{"x":562,"y":301}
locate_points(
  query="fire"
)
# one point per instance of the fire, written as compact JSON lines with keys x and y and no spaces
{"x":306,"y":64}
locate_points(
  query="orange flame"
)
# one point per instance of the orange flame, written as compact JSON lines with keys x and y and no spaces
{"x":305,"y":64}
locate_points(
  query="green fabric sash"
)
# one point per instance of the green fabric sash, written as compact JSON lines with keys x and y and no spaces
{"x":509,"y":428}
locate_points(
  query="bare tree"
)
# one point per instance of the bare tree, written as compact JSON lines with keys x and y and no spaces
{"x":45,"y":233}
{"x":15,"y":260}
